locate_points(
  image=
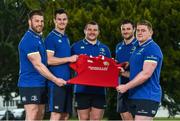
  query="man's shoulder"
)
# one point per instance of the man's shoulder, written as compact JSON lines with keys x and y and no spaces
{"x":77,"y":43}
{"x":103,"y":45}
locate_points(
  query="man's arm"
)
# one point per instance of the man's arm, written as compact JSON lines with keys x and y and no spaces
{"x":52,"y":60}
{"x":148,"y":69}
{"x":35,"y":59}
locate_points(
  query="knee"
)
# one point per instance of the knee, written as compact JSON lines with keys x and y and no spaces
{"x":83,"y":117}
{"x":32,"y":114}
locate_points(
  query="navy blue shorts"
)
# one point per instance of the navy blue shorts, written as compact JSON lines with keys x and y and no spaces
{"x":60,"y":98}
{"x":122,"y":102}
{"x":33,"y":95}
{"x":85,"y":101}
{"x":143,"y":107}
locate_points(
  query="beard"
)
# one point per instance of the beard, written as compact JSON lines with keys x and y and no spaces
{"x":37,"y":29}
{"x":129,"y":37}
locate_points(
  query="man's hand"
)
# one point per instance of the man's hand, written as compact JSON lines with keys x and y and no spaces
{"x":122,"y":88}
{"x":60,"y":82}
{"x":73,"y":58}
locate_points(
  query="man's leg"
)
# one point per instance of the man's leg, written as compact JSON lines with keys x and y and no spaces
{"x":126,"y":116}
{"x":33,"y":112}
{"x":33,"y":99}
{"x":64,"y":116}
{"x":41,"y":111}
{"x":143,"y":118}
{"x":83,"y":114}
{"x":96,"y":114}
{"x":60,"y":102}
{"x":59,"y":116}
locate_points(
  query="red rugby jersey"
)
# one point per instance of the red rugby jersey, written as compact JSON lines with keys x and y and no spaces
{"x":95,"y":71}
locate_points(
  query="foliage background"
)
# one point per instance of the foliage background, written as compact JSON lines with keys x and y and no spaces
{"x":164,"y":15}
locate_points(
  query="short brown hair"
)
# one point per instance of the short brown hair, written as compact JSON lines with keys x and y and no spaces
{"x":35,"y":12}
{"x":146,"y":23}
{"x":92,"y":23}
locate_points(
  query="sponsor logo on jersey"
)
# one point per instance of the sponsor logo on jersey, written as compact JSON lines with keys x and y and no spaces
{"x":60,"y":41}
{"x":94,"y":68}
{"x":82,"y":47}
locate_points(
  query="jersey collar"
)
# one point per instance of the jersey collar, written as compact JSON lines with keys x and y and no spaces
{"x":36,"y":35}
{"x":146,"y":43}
{"x":58,"y":33}
{"x":87,"y":43}
{"x":131,"y":43}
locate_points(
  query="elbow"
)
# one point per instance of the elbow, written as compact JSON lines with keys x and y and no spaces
{"x":49,"y":62}
{"x":147,"y":75}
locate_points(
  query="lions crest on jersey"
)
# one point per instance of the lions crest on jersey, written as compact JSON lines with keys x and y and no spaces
{"x":106,"y":63}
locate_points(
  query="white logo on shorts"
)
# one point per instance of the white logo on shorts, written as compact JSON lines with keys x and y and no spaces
{"x":34,"y":98}
{"x":142,"y":111}
{"x":56,"y":107}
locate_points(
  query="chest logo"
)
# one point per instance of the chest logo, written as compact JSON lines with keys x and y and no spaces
{"x":102,"y":49}
{"x":140,"y":51}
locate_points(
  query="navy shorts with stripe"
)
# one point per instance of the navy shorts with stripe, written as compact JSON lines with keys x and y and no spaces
{"x":60,"y":99}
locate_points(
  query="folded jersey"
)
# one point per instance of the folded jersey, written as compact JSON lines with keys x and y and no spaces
{"x":95,"y":71}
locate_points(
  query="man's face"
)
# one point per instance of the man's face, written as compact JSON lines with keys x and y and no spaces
{"x":91,"y":32}
{"x":143,"y":33}
{"x":127,"y":31}
{"x":61,"y":21}
{"x":36,"y":23}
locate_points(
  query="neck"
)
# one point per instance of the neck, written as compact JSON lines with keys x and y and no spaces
{"x":92,"y":41}
{"x":127,"y":41}
{"x":142,"y":42}
{"x":40,"y":34}
{"x":60,"y":31}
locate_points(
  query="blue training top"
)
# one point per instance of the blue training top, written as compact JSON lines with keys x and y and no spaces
{"x":84,"y":47}
{"x":150,"y":89}
{"x":31,"y":43}
{"x":123,"y":53}
{"x":60,"y":45}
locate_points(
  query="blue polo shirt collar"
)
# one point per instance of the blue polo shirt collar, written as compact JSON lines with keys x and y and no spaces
{"x":36,"y":35}
{"x":131,"y":43}
{"x":146,"y":43}
{"x":87,"y":43}
{"x":58,"y":33}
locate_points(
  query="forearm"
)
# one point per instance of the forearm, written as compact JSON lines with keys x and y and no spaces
{"x":138,"y":80}
{"x":57,"y":61}
{"x":43,"y":70}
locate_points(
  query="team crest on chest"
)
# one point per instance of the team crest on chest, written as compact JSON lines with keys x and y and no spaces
{"x":133,"y":49}
{"x":102,"y":49}
{"x":140,"y":51}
